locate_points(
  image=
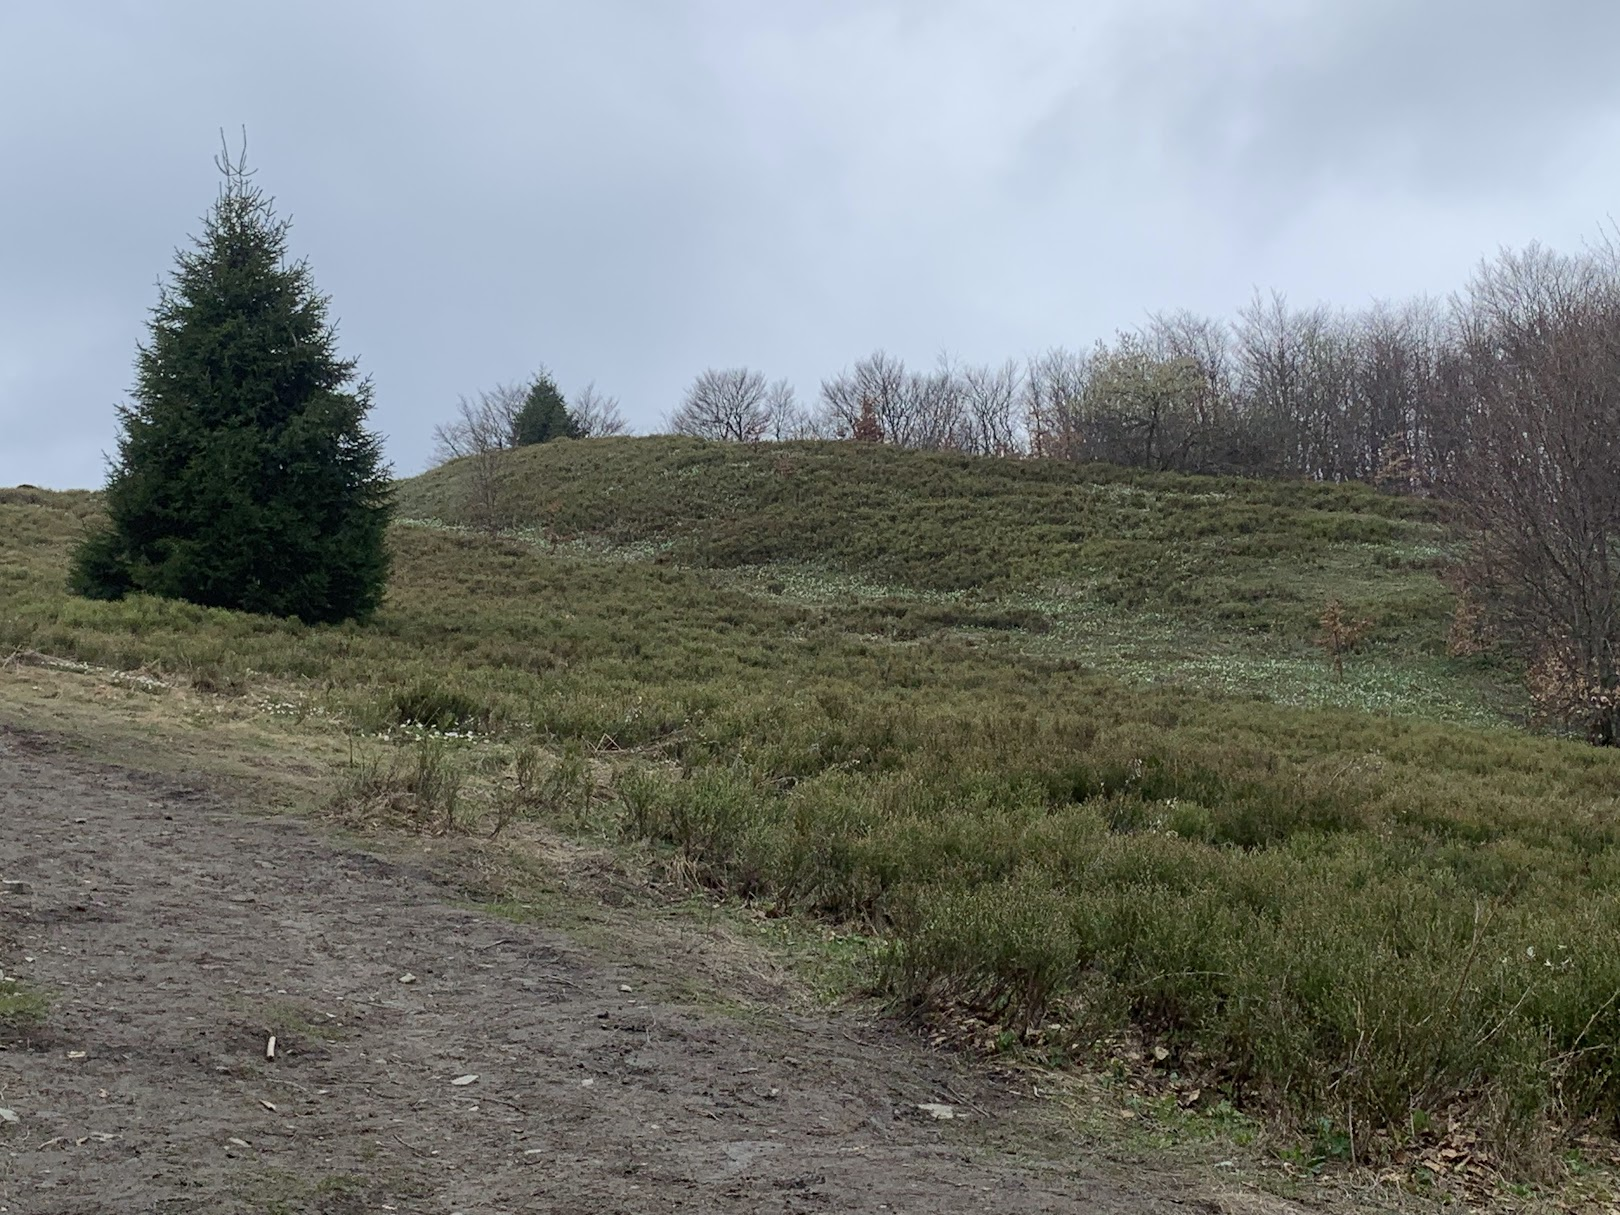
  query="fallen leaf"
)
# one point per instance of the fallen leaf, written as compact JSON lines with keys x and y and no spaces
{"x":238,"y":1142}
{"x":465,"y":1080}
{"x":76,"y":1054}
{"x":407,"y":977}
{"x":269,"y":1105}
{"x":936,"y":1110}
{"x":8,"y":1115}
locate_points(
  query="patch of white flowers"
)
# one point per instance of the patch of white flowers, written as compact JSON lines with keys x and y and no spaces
{"x":416,"y":732}
{"x":1560,"y":959}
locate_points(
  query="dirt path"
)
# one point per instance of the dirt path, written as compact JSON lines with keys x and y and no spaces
{"x":175,"y":931}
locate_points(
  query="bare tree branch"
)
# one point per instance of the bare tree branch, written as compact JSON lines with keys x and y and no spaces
{"x":482,"y":429}
{"x":1540,"y":352}
{"x":597,"y":414}
{"x":733,"y":405}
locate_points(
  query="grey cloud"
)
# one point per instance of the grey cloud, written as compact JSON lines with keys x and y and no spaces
{"x":1447,"y":96}
{"x":633,"y":191}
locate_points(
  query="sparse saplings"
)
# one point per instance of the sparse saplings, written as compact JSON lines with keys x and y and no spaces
{"x":1471,"y":632}
{"x":245,"y":477}
{"x":1340,"y":634}
{"x":732,"y":405}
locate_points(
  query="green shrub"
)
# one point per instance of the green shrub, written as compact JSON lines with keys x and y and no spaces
{"x":419,"y":785}
{"x":436,"y":706}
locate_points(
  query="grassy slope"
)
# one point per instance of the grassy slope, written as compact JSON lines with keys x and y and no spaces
{"x":1337,"y":913}
{"x":949,"y":523}
{"x":1213,"y":582}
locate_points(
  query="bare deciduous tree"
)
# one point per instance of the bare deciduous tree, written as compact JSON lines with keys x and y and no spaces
{"x":731,"y":404}
{"x":596,"y":414}
{"x":789,"y":419}
{"x":930,"y":413}
{"x":951,"y":408}
{"x":989,"y":399}
{"x":876,"y":383}
{"x":483,"y":428}
{"x":1054,"y":383}
{"x":486,"y":421}
{"x":1541,"y":475}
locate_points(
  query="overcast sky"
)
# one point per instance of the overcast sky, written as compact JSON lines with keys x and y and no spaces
{"x":629,"y":192}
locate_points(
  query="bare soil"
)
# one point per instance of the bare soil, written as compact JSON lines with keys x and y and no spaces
{"x":175,"y":930}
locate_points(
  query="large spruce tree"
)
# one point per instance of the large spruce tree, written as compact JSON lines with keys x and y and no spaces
{"x":245,"y":476}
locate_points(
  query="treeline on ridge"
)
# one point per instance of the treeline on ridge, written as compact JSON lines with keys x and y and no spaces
{"x":1393,"y":394}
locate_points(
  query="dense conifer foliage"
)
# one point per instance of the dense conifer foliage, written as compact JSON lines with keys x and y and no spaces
{"x":245,"y":476}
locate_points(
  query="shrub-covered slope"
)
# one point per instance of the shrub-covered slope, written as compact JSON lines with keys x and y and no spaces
{"x":888,"y":706}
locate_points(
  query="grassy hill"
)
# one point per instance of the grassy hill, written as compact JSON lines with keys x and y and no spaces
{"x":1054,"y":738}
{"x":1205,"y":581}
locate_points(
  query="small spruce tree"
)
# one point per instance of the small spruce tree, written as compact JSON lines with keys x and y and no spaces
{"x":245,"y":477}
{"x":545,"y":415}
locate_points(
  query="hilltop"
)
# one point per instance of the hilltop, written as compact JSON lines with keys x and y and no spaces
{"x":1219,"y":582}
{"x":936,"y":520}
